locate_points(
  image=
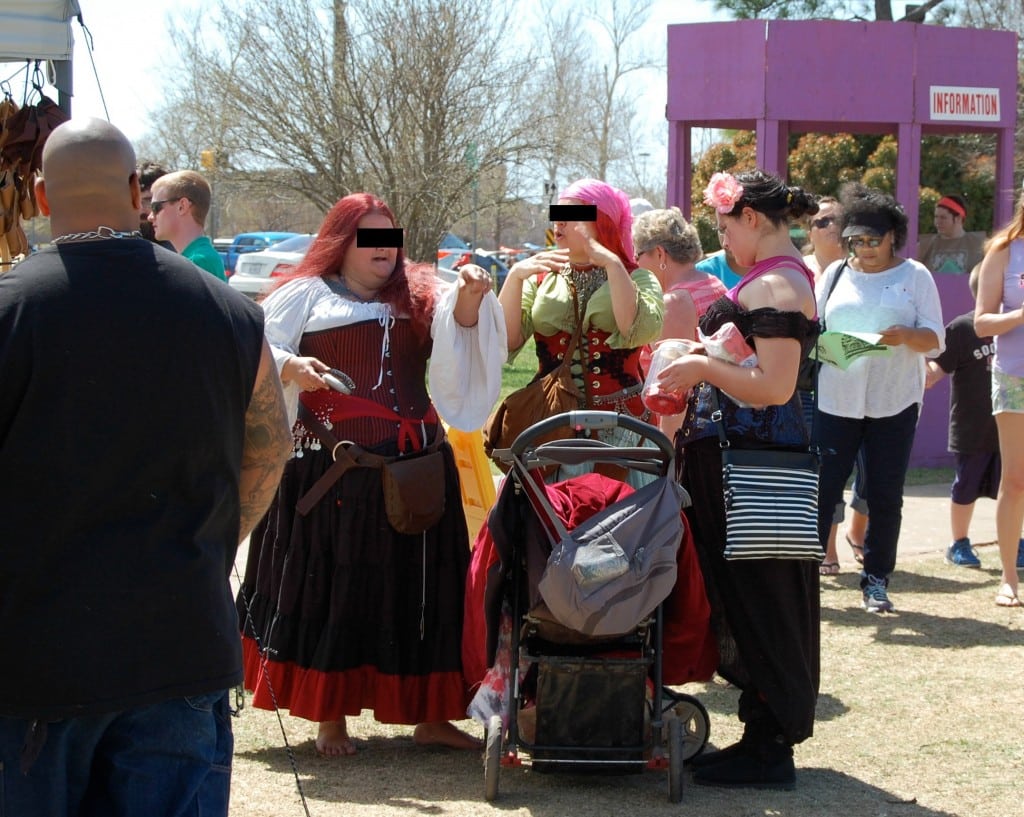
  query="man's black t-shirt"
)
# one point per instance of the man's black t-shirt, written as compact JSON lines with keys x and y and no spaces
{"x":968,"y":362}
{"x":126,"y":373}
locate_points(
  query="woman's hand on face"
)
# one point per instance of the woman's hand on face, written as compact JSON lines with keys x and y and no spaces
{"x":597,"y":253}
{"x":305,"y":373}
{"x":473,"y":280}
{"x":547,"y":261}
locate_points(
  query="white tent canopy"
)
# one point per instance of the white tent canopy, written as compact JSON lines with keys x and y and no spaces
{"x":36,"y":29}
{"x":40,"y":30}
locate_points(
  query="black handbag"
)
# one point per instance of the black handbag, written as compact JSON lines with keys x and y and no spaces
{"x":771,"y":500}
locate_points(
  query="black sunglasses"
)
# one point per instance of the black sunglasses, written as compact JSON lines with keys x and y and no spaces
{"x":157,"y":206}
{"x":823,"y":222}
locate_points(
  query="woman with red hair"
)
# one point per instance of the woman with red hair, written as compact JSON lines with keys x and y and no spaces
{"x":342,"y":610}
{"x":592,"y":277}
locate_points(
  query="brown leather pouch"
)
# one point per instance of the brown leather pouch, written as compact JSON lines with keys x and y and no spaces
{"x":414,"y":491}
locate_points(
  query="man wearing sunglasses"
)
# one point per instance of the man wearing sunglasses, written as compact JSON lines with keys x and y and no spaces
{"x":950,"y":249}
{"x":178,"y":211}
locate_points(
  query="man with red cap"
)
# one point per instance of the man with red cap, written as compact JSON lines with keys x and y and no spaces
{"x":950,"y":249}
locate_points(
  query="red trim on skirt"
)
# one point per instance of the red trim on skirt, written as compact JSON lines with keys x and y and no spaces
{"x":328,"y":696}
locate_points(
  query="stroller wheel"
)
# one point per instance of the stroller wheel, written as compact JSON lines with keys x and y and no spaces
{"x":695,"y":725}
{"x":676,"y":752}
{"x":492,"y":757}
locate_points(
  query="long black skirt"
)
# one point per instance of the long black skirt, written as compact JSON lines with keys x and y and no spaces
{"x":341,"y":613}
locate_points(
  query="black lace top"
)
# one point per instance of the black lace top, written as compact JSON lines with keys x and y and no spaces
{"x":772,"y":426}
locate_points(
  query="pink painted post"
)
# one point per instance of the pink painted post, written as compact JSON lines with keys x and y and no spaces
{"x":908,"y":175}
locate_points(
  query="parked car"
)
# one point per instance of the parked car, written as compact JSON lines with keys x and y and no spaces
{"x":250,"y":242}
{"x":452,"y":260}
{"x":255,"y":270}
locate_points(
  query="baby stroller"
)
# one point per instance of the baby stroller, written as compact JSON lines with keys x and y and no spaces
{"x":578,"y":700}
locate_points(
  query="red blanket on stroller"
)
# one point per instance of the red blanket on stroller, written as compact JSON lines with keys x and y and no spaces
{"x":689,"y":652}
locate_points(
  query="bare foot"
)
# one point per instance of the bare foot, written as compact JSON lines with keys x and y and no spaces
{"x":444,"y":733}
{"x":332,"y":739}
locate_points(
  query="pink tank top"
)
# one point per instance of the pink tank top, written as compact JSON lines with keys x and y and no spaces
{"x":767,"y":265}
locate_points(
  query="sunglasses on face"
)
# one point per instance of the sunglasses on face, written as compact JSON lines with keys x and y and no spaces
{"x":823,"y":222}
{"x":857,"y":242}
{"x":157,"y":206}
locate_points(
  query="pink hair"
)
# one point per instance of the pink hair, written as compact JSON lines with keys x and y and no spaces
{"x":614,"y":227}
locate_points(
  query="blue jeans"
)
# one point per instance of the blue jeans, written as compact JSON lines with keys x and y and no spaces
{"x":171,"y":759}
{"x":885,"y":443}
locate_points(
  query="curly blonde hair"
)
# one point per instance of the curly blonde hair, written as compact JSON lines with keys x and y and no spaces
{"x":669,"y":230}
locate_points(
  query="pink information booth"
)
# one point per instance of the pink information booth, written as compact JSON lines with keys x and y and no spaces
{"x":782,"y":77}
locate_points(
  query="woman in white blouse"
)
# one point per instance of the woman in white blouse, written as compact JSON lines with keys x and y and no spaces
{"x":876,"y":402}
{"x":342,"y":612}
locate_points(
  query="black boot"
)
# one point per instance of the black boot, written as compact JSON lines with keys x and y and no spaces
{"x":717,"y":756}
{"x":765,"y":763}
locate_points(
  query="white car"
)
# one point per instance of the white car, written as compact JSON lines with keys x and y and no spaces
{"x":255,"y":271}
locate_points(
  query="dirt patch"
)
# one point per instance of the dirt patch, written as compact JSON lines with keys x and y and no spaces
{"x":919,"y":716}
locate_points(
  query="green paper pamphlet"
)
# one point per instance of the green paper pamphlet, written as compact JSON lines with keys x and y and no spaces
{"x":840,"y":349}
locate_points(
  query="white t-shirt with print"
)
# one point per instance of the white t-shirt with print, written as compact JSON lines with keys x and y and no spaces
{"x":879,"y":386}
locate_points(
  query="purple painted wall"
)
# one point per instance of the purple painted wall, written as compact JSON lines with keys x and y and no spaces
{"x":780,"y":77}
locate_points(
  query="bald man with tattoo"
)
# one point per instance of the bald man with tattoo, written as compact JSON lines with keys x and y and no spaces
{"x":142,"y":436}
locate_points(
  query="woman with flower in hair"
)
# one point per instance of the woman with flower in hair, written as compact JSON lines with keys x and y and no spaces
{"x":765,"y":612}
{"x":592,"y":277}
{"x":340,"y":610}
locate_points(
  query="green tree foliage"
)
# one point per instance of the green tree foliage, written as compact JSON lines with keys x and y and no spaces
{"x":820,"y":163}
{"x":739,"y":153}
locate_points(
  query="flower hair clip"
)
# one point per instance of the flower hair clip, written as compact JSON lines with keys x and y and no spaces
{"x":722,"y":192}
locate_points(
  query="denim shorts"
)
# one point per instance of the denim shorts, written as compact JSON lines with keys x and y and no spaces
{"x":1007,"y":393}
{"x":168,"y":758}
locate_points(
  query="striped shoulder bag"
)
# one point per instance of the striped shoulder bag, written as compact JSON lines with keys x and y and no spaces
{"x":771,"y":500}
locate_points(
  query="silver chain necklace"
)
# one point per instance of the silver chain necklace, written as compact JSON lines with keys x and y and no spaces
{"x":94,"y":235}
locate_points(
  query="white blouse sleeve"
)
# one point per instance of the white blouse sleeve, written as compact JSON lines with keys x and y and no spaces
{"x":285,"y":313}
{"x":466,"y":363}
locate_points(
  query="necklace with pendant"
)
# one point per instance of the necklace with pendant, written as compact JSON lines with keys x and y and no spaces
{"x":586,"y":280}
{"x":95,"y":235}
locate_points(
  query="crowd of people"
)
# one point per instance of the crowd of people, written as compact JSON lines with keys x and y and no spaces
{"x":316,"y":421}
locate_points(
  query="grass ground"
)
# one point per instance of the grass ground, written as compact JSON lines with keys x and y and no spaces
{"x":918,"y":716}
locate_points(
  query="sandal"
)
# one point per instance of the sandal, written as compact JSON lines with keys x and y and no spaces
{"x":1006,"y":597}
{"x":828,"y":569}
{"x":858,"y":550}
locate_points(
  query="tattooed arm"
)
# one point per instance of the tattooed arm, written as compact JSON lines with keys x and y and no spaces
{"x":268,"y":443}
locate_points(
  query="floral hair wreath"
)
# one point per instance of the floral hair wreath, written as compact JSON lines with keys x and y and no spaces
{"x":722,"y":192}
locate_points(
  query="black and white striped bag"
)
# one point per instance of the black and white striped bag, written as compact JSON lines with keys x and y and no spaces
{"x":771,"y":504}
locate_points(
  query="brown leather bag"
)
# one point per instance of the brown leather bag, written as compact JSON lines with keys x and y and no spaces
{"x":414,"y":491}
{"x":552,"y":394}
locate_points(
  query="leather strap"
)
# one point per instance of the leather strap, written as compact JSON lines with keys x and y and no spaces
{"x":346,"y":455}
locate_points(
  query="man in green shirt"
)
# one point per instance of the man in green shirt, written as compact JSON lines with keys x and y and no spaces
{"x":178,"y":211}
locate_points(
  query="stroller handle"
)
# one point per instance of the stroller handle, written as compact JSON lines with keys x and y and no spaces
{"x":594,"y":421}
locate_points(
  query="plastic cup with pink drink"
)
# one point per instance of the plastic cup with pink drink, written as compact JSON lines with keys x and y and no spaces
{"x":656,"y":398}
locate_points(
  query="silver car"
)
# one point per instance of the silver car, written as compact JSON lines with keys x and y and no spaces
{"x":255,"y":271}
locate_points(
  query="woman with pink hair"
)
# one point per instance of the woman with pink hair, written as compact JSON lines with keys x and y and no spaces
{"x":341,"y":610}
{"x":591,"y":277}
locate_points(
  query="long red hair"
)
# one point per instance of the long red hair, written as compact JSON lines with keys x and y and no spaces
{"x":407,"y":294}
